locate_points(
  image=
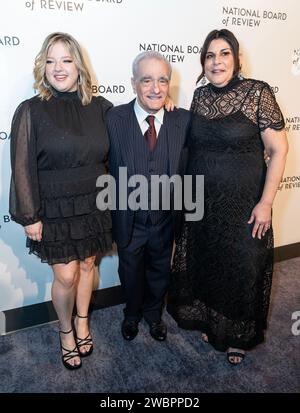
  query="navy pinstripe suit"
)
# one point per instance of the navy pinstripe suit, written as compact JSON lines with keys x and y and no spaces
{"x":144,"y":238}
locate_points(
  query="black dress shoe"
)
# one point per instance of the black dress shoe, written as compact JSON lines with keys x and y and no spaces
{"x":129,"y":329}
{"x":158,"y":331}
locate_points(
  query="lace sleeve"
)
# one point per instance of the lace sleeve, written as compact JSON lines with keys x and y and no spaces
{"x":194,"y":101}
{"x":269,"y":113}
{"x":24,"y":200}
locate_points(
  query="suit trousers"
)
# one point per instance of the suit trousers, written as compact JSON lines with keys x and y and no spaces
{"x":144,"y":269}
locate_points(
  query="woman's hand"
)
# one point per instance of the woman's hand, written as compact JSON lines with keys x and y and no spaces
{"x":34,"y":231}
{"x":169,"y":104}
{"x":261,"y":216}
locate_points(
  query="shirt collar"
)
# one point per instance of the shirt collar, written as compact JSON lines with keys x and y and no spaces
{"x":141,"y":114}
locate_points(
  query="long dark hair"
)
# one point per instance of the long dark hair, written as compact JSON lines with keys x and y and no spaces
{"x":230,"y":38}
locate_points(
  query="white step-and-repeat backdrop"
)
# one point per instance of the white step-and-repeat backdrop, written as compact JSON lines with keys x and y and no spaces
{"x":112,"y":33}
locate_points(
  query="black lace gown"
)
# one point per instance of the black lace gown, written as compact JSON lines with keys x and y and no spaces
{"x":58,"y":149}
{"x":221,"y":276}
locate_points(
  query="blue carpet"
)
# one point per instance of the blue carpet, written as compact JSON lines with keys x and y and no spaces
{"x":30,"y":359}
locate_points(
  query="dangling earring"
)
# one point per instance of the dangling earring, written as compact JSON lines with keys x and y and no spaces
{"x":79,"y":79}
{"x":240,"y":76}
{"x":203,"y":81}
{"x":45,"y":84}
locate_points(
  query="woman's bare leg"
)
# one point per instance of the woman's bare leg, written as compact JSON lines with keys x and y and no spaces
{"x":63,"y":297}
{"x":83,"y":298}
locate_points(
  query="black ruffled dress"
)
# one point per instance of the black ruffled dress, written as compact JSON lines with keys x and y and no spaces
{"x":58,"y":149}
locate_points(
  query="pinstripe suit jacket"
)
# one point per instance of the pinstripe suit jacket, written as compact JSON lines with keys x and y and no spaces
{"x":122,"y":126}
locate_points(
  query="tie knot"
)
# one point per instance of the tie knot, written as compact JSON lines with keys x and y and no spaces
{"x":150,"y":119}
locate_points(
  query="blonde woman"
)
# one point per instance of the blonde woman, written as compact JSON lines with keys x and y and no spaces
{"x":59,"y":145}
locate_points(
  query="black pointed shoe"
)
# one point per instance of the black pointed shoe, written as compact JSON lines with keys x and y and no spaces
{"x":158,"y":330}
{"x":129,"y":329}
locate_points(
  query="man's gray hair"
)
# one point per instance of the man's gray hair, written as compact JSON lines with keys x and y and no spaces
{"x":149,"y":55}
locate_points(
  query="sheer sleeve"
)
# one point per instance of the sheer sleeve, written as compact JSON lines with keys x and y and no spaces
{"x":269,"y":113}
{"x":195,"y":100}
{"x":24,"y":200}
{"x":105,"y":105}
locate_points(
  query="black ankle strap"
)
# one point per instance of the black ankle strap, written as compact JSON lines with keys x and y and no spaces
{"x":81,"y":316}
{"x":65,"y":332}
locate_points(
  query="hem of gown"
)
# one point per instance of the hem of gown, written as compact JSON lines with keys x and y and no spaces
{"x":213,"y":339}
{"x":73,"y":251}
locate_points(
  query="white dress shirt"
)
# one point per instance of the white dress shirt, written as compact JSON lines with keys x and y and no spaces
{"x":141,"y":116}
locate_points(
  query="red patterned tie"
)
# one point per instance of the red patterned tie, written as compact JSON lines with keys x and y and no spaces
{"x":150,"y":133}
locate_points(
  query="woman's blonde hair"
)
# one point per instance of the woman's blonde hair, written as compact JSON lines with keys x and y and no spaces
{"x":41,"y":84}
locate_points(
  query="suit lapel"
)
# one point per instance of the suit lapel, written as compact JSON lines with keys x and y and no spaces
{"x":130,"y":134}
{"x":127,"y":138}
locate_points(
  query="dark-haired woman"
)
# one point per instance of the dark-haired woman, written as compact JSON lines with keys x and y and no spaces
{"x":222,"y":269}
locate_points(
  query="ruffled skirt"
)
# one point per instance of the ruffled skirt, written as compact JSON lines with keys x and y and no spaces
{"x":73,"y":227}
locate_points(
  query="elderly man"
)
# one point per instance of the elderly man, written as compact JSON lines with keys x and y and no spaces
{"x":147,"y":140}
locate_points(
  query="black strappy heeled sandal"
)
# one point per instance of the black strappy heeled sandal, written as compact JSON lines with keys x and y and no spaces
{"x":230,"y":354}
{"x":87,"y":341}
{"x":70,"y":354}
